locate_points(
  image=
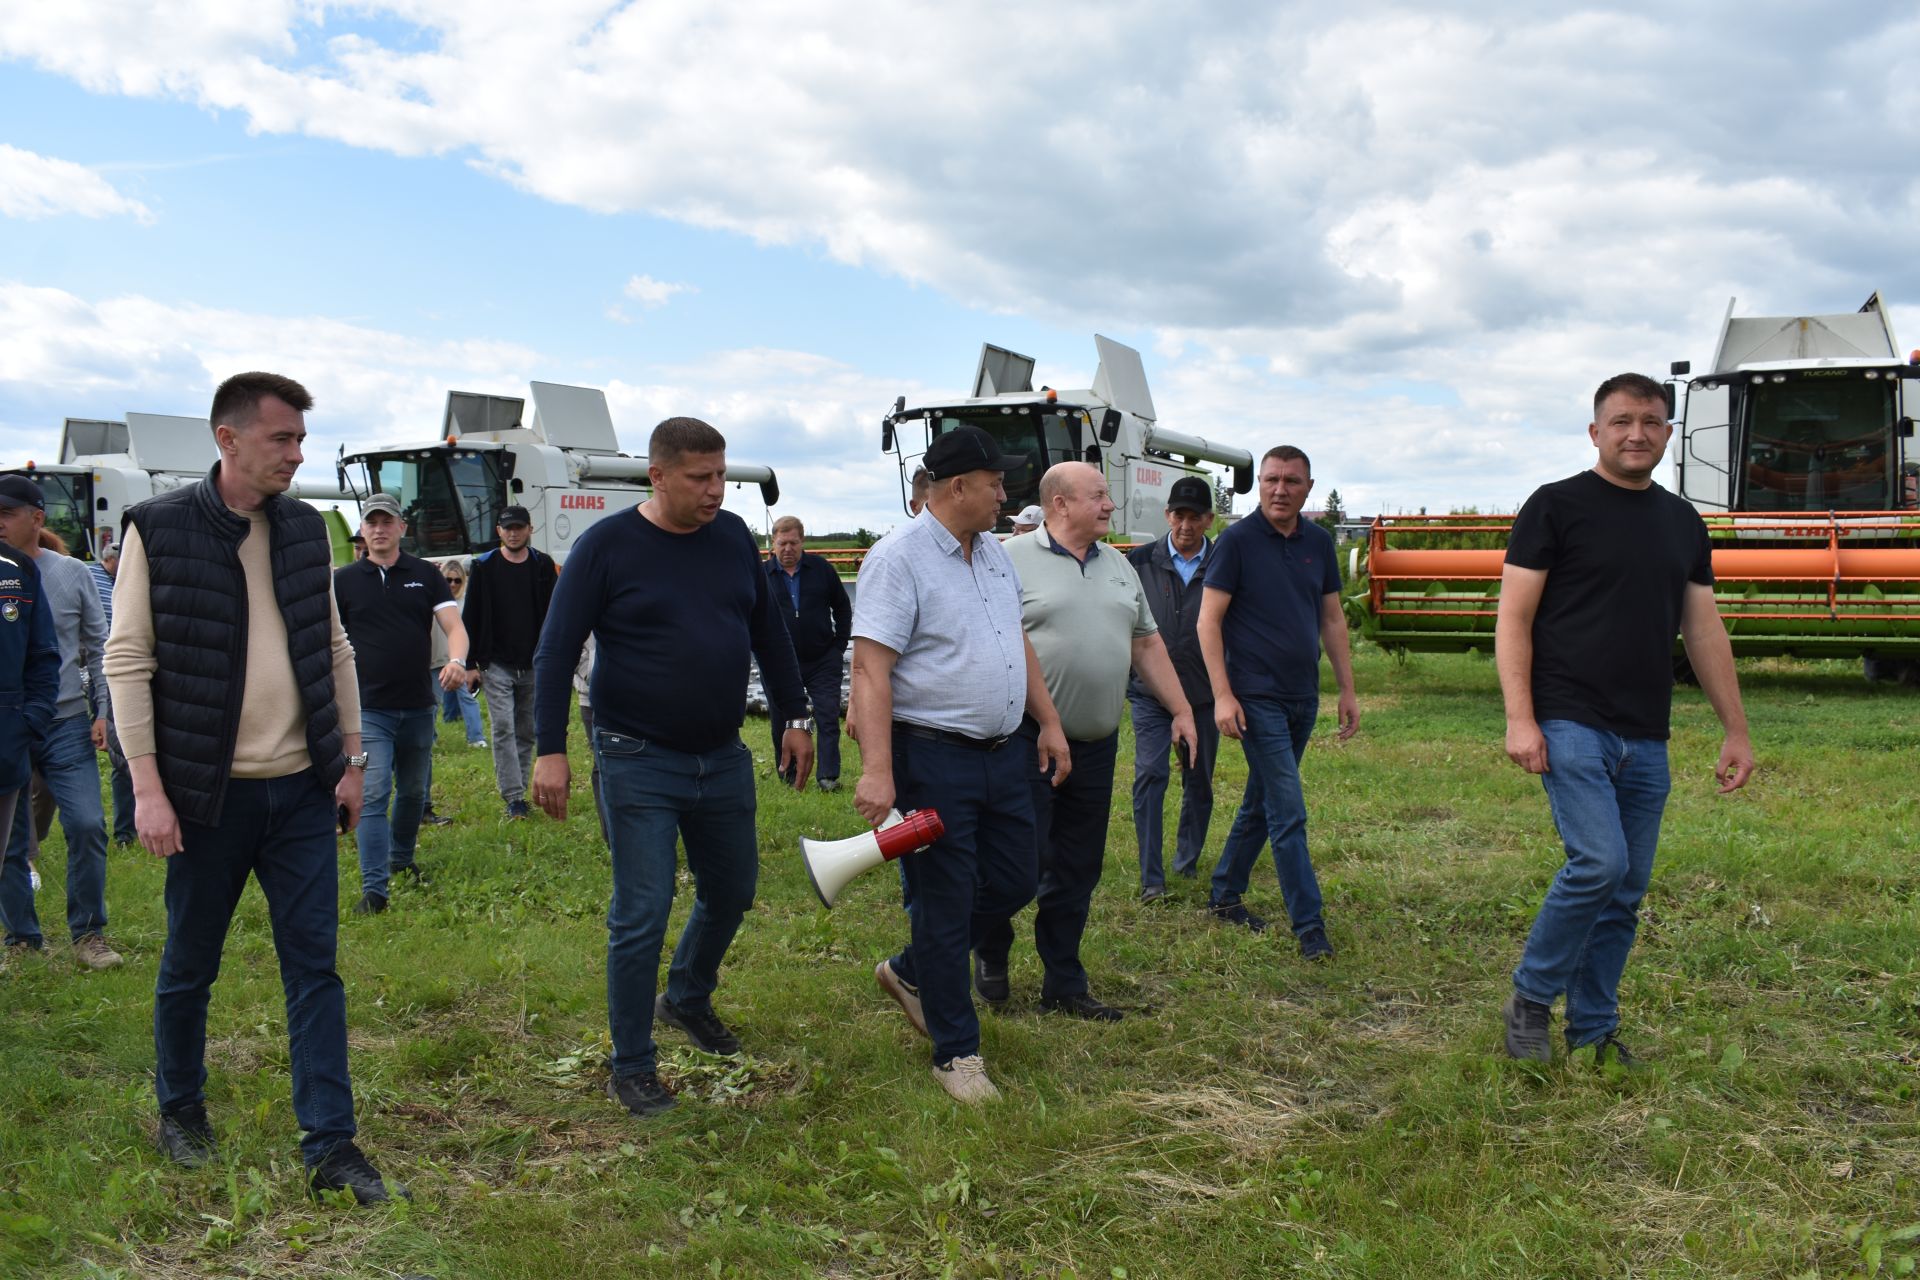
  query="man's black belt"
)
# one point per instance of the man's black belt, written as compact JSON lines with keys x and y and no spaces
{"x":949,"y":736}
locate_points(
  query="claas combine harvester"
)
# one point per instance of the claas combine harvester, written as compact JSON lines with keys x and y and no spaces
{"x":1797,"y":450}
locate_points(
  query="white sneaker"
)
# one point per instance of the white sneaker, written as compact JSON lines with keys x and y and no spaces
{"x":907,"y":997}
{"x":966,"y":1079}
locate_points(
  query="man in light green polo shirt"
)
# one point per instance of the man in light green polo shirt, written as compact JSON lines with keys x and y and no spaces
{"x":1084,"y":612}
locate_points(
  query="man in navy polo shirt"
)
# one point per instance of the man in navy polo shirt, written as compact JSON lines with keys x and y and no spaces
{"x":1272,"y":602}
{"x":389,"y":603}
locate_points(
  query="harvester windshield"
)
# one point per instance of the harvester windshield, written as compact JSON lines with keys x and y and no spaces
{"x":1819,"y":444}
{"x":1042,"y":434}
{"x":69,"y":496}
{"x":451,"y":497}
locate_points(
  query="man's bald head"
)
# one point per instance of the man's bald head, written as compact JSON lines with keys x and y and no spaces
{"x":1078,"y":509}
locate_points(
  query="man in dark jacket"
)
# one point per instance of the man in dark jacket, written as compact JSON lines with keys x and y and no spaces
{"x":236,"y":703}
{"x":808,"y":592}
{"x":1173,"y":573}
{"x":508,"y":591}
{"x":29,"y":675}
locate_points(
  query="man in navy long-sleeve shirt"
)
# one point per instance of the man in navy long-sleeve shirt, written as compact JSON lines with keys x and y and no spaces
{"x":675,"y":597}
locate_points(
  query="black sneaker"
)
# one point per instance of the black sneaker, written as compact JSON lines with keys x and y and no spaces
{"x":186,"y":1138}
{"x":1609,"y":1049}
{"x":1314,"y":945}
{"x":517,"y":809}
{"x":1236,"y":913}
{"x":708,"y":1033}
{"x":1153,"y":893}
{"x":827,"y":784}
{"x":412,"y":872}
{"x":643,"y":1095}
{"x":990,"y":980}
{"x":429,"y":818}
{"x":370,"y":904}
{"x":344,"y":1168}
{"x":1082,"y":1005}
{"x":1527,"y":1022}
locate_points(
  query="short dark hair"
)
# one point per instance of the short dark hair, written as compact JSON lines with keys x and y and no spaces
{"x":1636,"y":385}
{"x":237,"y":403}
{"x":921,"y":483}
{"x":1286,"y":453}
{"x":676,"y":436}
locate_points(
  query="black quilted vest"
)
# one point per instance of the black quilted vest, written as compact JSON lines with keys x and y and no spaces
{"x":199,"y":594}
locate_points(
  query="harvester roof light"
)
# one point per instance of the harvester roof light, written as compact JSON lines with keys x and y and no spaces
{"x":1759,"y":378}
{"x":1873,"y":374}
{"x":1779,"y":377}
{"x":1914,"y":357}
{"x":1052,"y":395}
{"x":450,"y":439}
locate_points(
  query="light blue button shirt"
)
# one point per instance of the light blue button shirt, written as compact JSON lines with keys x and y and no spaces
{"x":954,"y":622}
{"x":1186,"y":566}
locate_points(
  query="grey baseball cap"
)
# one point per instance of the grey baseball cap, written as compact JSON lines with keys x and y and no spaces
{"x":382,"y":502}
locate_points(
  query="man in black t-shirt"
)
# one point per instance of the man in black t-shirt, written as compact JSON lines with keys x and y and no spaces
{"x":389,"y":602}
{"x":1602,"y":570}
{"x":508,"y":591}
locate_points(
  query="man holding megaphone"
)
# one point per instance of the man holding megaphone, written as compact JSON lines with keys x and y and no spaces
{"x":942,"y":674}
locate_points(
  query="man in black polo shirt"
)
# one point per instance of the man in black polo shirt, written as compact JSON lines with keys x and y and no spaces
{"x":508,"y":591}
{"x":1272,"y":603}
{"x":389,"y":603}
{"x":819,"y":620}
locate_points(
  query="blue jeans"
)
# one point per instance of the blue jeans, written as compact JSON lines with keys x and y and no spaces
{"x":463,"y":705}
{"x":1607,"y":794}
{"x":1273,"y":809}
{"x":1070,"y":824}
{"x":281,"y":830}
{"x":651,"y":794}
{"x":983,"y":870}
{"x":822,"y":680}
{"x":67,"y":761}
{"x":399,"y":747}
{"x":121,"y":787}
{"x":1152,"y":767}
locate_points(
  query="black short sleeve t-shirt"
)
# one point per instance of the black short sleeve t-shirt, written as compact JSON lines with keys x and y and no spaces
{"x":1618,"y":562}
{"x":388,"y":615}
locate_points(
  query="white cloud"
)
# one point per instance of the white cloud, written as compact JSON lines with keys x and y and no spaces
{"x":651,"y":293}
{"x":37,"y":186}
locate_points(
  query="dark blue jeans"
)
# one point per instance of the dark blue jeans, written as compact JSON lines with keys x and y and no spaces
{"x":980,"y":872}
{"x":1152,"y":767}
{"x":822,"y":678}
{"x":1070,"y":824}
{"x":67,"y":761}
{"x":280,"y":830}
{"x":1273,"y":809}
{"x":121,"y":787}
{"x":1607,"y":794}
{"x":652,"y":794}
{"x":399,"y":747}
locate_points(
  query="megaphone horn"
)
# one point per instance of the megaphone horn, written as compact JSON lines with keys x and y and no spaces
{"x":831,"y":863}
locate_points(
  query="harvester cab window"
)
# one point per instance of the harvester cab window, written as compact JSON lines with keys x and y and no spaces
{"x":69,"y":508}
{"x":1043,"y":434}
{"x":1820,"y":446}
{"x":451,"y":501}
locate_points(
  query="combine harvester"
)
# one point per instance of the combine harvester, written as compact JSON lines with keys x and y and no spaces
{"x":566,"y":469}
{"x":1111,"y":424}
{"x":1796,"y":448}
{"x":106,"y":466}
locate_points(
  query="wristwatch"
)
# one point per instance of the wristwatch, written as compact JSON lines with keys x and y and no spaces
{"x":804,"y":724}
{"x":357,"y":762}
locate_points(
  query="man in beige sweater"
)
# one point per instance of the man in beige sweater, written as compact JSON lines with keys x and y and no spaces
{"x":236,"y":703}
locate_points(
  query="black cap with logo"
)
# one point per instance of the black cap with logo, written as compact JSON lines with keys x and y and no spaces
{"x":965,"y":449}
{"x":18,"y":491}
{"x":1190,"y":493}
{"x":514,"y":516}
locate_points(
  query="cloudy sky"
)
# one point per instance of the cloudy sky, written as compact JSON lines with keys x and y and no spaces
{"x":1408,"y":238}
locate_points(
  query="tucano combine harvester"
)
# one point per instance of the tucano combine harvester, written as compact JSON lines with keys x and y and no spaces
{"x":1797,"y":449}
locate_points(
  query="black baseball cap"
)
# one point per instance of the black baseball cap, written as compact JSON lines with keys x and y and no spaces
{"x":1190,"y":493}
{"x":514,"y":516}
{"x":18,"y":491}
{"x":964,"y":449}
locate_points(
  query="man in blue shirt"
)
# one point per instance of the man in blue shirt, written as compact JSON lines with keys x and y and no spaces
{"x":669,"y":693}
{"x":819,"y":619}
{"x":1173,"y":573}
{"x":1272,"y":602}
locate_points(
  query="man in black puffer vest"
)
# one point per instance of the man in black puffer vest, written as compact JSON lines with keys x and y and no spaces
{"x":237,"y":706}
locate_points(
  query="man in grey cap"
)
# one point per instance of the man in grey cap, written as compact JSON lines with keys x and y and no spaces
{"x":1173,"y":572}
{"x":508,"y":591}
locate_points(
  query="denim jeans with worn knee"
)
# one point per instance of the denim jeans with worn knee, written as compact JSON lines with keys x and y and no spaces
{"x":65,"y":758}
{"x":652,"y":795}
{"x":1273,"y":809}
{"x":399,"y":747}
{"x":1607,"y":794}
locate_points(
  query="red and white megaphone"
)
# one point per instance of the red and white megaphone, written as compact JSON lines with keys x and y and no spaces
{"x":831,"y":863}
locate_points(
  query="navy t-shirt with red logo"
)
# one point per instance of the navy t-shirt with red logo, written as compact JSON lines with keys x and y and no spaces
{"x":1272,"y":627}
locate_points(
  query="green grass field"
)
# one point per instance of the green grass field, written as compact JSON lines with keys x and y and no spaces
{"x":1252,"y":1116}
